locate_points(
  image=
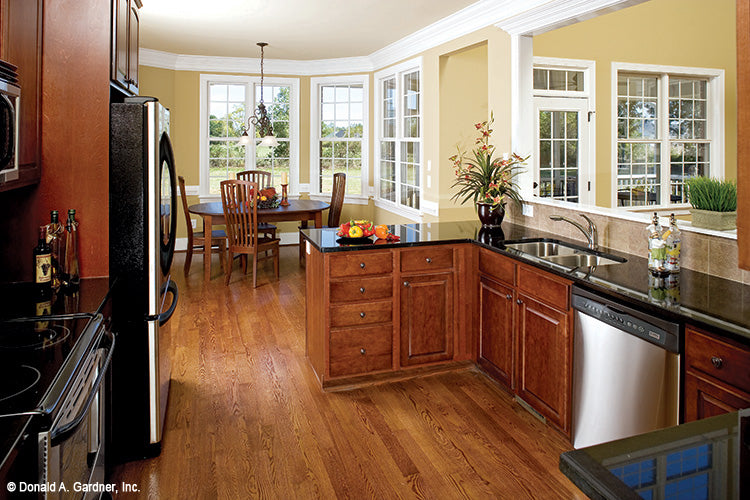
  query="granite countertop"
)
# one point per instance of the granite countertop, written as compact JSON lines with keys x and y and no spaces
{"x":721,"y":305}
{"x":708,"y":459}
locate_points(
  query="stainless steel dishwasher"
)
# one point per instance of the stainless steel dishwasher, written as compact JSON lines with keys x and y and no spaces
{"x":626,"y":370}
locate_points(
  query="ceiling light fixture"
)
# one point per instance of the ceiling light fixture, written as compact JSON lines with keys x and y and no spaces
{"x":259,"y":119}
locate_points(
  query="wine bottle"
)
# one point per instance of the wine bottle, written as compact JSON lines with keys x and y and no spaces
{"x":54,"y":232}
{"x":70,"y":275}
{"x":42,"y":261}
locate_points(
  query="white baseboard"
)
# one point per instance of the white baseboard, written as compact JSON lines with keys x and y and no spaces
{"x":289,"y":238}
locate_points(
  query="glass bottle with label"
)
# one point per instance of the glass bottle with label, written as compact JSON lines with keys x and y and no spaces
{"x":657,"y":247}
{"x":54,"y":235}
{"x":673,"y":238}
{"x":42,"y":261}
{"x":70,"y":275}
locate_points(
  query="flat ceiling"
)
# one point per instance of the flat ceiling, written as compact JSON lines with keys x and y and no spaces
{"x":294,"y":29}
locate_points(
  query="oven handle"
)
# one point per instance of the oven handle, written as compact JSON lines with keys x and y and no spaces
{"x":60,"y":434}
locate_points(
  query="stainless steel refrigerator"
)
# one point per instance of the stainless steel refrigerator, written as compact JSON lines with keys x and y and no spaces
{"x":142,"y":223}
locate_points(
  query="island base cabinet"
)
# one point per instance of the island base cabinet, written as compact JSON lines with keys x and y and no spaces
{"x":361,"y":350}
{"x":544,"y":370}
{"x":496,"y":330}
{"x":426,"y":318}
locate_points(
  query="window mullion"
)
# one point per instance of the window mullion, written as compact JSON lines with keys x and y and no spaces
{"x":664,"y":140}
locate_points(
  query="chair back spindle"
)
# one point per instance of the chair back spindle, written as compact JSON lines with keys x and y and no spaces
{"x":337,"y":199}
{"x":260,"y":177}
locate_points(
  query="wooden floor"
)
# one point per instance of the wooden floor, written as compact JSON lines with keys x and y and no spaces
{"x":247,"y":418}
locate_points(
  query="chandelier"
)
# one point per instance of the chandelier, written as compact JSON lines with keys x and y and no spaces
{"x":260,"y":119}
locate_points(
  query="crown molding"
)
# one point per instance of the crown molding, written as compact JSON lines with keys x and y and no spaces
{"x":516,"y":17}
{"x":251,"y":65}
{"x":547,"y":16}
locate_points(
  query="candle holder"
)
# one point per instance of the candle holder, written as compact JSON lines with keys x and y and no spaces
{"x":284,"y":200}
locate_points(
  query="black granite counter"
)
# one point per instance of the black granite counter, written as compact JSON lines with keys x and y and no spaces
{"x":706,"y":459}
{"x":714,"y":303}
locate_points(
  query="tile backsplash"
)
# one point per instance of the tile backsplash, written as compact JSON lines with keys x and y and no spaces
{"x":706,"y":253}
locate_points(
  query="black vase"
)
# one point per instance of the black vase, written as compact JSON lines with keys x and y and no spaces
{"x":490,"y":216}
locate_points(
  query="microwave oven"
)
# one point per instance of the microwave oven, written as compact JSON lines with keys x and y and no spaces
{"x":10,"y":98}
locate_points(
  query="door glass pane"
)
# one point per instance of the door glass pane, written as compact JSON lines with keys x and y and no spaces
{"x":559,"y":154}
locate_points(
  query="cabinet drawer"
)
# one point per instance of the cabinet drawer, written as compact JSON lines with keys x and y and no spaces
{"x":361,"y":313}
{"x":350,"y":290}
{"x":360,"y":263}
{"x":718,"y":358}
{"x":547,"y":288}
{"x":427,"y":259}
{"x":498,"y":266}
{"x":360,"y":350}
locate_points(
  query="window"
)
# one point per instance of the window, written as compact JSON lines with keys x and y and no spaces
{"x":399,"y":136}
{"x":668,"y":128}
{"x":339,"y":134}
{"x":226,"y":102}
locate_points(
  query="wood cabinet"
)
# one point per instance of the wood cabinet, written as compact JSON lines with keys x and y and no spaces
{"x":525,"y":337}
{"x":426,"y":305}
{"x":717,"y":375}
{"x":125,"y":42}
{"x":21,"y":24}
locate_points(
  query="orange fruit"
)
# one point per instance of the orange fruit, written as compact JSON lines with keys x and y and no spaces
{"x":381,"y":231}
{"x":355,"y":232}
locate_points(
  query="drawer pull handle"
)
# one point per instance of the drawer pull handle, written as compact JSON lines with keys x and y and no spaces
{"x":362,"y":290}
{"x":362,"y":314}
{"x":362,"y":351}
{"x":429,"y":260}
{"x":406,"y":283}
{"x":717,"y":361}
{"x":509,"y":297}
{"x":362,"y":265}
{"x":519,"y":301}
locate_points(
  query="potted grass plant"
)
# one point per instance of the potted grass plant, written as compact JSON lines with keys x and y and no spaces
{"x":713,"y":202}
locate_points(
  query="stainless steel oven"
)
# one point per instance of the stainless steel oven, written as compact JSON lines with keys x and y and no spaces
{"x":71,"y":450}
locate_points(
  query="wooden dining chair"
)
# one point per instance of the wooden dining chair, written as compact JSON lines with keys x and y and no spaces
{"x":334,"y":212}
{"x":196,"y":240}
{"x":238,"y":199}
{"x":264,"y":180}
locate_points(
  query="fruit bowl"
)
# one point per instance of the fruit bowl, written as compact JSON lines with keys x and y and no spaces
{"x":360,"y":231}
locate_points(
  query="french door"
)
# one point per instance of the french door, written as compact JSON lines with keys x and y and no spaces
{"x":562,"y":167}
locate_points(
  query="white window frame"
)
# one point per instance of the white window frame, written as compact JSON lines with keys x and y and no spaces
{"x":397,"y":71}
{"x":315,"y":119}
{"x":588,"y":167}
{"x":252,"y":82}
{"x":714,"y":127}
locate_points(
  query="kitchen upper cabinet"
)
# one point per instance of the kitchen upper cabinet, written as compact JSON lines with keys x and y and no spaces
{"x":496,"y":306}
{"x":125,"y":41}
{"x":717,"y":375}
{"x":21,"y":45}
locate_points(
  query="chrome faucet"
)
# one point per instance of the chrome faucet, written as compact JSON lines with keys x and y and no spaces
{"x":591,"y":234}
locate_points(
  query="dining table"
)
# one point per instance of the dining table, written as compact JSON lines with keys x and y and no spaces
{"x":297,"y":210}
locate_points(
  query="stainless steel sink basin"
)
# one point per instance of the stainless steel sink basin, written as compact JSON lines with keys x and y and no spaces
{"x":562,"y":253}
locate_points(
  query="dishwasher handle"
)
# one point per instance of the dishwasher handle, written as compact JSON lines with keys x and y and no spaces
{"x":638,"y":323}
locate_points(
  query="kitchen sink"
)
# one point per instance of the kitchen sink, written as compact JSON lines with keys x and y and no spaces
{"x":562,"y":253}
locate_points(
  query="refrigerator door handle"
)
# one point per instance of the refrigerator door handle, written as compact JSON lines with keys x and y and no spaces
{"x":168,"y":287}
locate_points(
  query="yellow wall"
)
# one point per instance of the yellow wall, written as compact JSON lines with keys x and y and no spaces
{"x":693,"y":33}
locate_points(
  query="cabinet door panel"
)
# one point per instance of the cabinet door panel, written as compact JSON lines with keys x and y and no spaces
{"x":426,"y":318}
{"x":544,"y":371}
{"x":705,"y":399}
{"x":496,"y":330}
{"x":120,"y":41}
{"x":133,"y":42}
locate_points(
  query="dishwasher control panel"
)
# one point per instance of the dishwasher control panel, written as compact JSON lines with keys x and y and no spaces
{"x":629,"y":320}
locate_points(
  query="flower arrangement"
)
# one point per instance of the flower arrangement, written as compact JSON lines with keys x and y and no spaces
{"x":481,"y":177}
